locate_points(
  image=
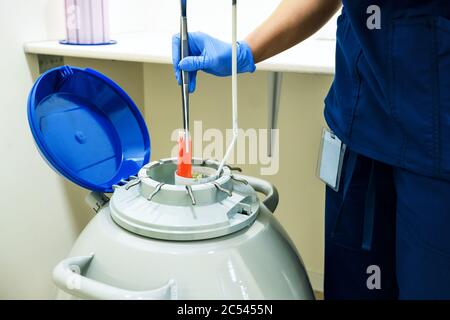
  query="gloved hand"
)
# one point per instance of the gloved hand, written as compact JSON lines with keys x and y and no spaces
{"x":210,"y":55}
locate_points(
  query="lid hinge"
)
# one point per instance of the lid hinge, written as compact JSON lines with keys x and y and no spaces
{"x":96,"y":200}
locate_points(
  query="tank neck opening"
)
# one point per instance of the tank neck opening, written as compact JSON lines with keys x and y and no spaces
{"x":203,"y":171}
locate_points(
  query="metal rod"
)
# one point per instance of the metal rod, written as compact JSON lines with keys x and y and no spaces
{"x":191,"y":194}
{"x":219,"y":187}
{"x":134,"y":182}
{"x":273,"y":101}
{"x":184,"y":52}
{"x":158,"y":187}
{"x":233,"y":168}
{"x":239,"y":180}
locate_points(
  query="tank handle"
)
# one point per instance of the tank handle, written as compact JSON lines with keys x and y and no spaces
{"x":266,"y":188}
{"x":68,"y":276}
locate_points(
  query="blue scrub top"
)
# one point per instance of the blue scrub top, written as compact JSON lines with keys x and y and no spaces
{"x":390,"y":99}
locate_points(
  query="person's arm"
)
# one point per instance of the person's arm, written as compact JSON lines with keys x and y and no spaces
{"x":292,"y":22}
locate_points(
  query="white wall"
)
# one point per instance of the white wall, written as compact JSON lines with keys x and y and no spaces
{"x":41,"y":214}
{"x":211,"y":16}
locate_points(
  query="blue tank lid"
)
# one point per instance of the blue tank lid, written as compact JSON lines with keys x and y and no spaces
{"x":87,"y":128}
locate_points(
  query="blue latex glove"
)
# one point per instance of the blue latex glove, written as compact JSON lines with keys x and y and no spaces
{"x":210,"y":55}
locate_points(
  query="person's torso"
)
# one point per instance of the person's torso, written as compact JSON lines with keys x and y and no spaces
{"x":390,"y":99}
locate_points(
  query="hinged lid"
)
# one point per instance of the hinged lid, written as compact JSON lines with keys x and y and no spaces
{"x":87,"y":128}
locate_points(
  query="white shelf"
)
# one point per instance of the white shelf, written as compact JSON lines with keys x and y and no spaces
{"x":311,"y":56}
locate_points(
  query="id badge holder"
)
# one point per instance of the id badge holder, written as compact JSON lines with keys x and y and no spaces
{"x":331,"y":158}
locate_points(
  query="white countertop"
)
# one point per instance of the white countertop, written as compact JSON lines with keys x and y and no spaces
{"x":311,"y":56}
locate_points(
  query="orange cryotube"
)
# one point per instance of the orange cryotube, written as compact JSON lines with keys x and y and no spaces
{"x":184,"y":168}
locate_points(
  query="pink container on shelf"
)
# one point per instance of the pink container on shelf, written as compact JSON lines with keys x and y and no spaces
{"x":87,"y":22}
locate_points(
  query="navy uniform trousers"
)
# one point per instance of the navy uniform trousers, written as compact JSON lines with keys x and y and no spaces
{"x":390,"y":218}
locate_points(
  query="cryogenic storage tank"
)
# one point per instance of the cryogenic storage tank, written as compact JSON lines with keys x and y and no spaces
{"x":155,"y":238}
